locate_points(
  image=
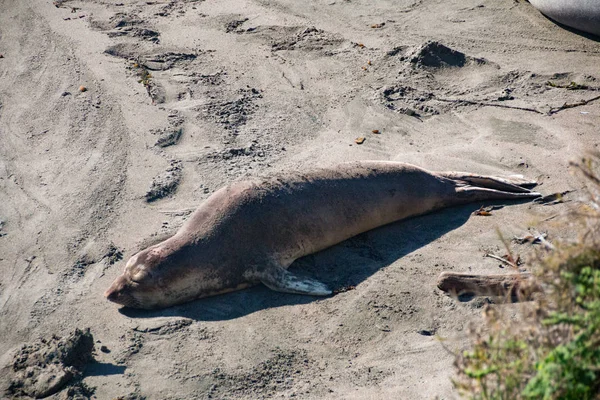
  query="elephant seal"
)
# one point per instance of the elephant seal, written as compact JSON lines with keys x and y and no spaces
{"x":251,"y":231}
{"x":579,"y":14}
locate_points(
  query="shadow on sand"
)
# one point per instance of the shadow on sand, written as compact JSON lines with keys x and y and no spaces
{"x":346,"y":264}
{"x":101,"y":369}
{"x":586,"y":35}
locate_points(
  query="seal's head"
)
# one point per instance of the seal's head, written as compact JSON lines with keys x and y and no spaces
{"x":141,"y":284}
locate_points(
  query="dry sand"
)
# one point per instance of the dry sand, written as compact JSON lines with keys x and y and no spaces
{"x":240,"y":88}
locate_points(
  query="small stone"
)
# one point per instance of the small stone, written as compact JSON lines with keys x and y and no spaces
{"x":104,"y":349}
{"x":82,"y":88}
{"x":359,"y":140}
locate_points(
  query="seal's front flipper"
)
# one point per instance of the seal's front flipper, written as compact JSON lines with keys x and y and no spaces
{"x":282,"y":280}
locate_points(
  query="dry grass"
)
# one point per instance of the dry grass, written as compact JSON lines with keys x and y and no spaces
{"x":551,"y":348}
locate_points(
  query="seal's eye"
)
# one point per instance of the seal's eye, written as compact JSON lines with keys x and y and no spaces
{"x":140,"y":275}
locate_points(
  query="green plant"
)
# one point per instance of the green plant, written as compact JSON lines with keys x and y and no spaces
{"x":551,"y":348}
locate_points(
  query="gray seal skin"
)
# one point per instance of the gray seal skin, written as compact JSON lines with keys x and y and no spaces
{"x":579,"y":14}
{"x":251,"y":231}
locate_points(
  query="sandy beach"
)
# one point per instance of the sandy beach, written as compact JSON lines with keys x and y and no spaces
{"x":119,"y":117}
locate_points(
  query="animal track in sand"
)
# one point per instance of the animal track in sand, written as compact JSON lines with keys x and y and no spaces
{"x":308,"y":39}
{"x":271,"y":376}
{"x":165,"y":183}
{"x":122,"y":24}
{"x":233,"y":114}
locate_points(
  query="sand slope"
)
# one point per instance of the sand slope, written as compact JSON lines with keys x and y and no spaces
{"x":183,"y":97}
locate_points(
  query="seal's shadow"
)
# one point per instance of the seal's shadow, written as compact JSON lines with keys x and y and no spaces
{"x":346,"y":264}
{"x":586,"y":35}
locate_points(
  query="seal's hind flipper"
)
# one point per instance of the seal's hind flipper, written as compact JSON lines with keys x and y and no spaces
{"x":282,"y":280}
{"x":520,"y":180}
{"x":469,"y":194}
{"x":514,"y":183}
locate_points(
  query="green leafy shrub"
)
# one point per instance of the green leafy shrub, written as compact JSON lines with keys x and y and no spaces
{"x":550,"y":348}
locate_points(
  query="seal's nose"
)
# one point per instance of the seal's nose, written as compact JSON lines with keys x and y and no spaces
{"x":113,"y":293}
{"x":121,"y":292}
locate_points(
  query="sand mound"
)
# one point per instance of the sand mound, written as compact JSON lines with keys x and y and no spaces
{"x":47,"y":365}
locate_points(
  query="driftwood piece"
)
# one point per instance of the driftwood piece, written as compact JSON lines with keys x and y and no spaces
{"x":520,"y":285}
